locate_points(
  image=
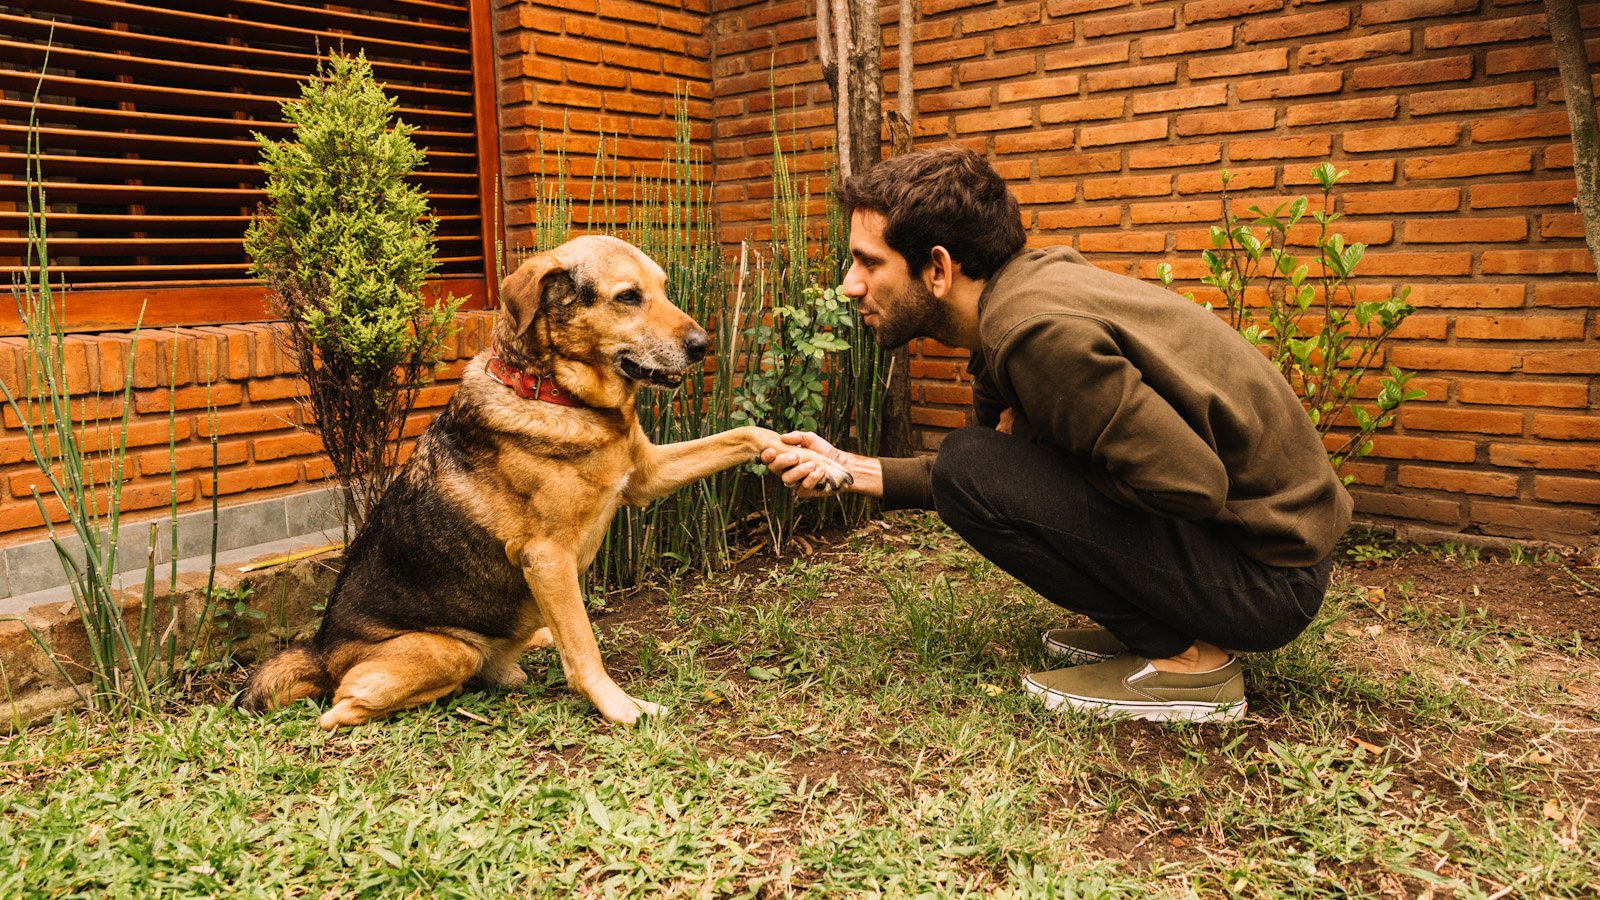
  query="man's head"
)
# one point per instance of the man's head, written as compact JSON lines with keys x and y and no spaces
{"x":917,"y":220}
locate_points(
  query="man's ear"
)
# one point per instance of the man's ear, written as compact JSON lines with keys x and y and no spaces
{"x":523,"y":290}
{"x":941,"y":271}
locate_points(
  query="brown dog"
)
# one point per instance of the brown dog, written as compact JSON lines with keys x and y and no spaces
{"x":475,"y":552}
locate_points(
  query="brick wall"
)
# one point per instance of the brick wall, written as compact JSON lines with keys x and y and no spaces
{"x":1112,"y":118}
{"x":579,"y":70}
{"x":262,"y":448}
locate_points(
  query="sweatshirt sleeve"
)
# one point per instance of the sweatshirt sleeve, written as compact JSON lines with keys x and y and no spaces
{"x":907,"y":483}
{"x":1080,"y":392}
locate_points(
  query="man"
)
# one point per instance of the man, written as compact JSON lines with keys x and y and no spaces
{"x":1135,"y":460}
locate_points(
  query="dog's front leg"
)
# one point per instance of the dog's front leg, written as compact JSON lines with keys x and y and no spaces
{"x":551,"y":571}
{"x":662,"y":469}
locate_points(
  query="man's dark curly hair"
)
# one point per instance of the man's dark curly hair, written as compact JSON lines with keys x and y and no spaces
{"x":946,"y":197}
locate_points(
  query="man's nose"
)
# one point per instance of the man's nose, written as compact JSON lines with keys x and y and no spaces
{"x":696,"y":342}
{"x":854,"y":285}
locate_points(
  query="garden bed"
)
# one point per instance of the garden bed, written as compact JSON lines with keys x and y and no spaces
{"x":849,"y":720}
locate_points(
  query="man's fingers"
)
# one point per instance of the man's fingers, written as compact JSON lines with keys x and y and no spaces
{"x":797,"y":474}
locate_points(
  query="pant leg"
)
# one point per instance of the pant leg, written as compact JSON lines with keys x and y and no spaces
{"x":1156,"y":583}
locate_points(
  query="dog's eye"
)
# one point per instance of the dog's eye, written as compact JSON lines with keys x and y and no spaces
{"x":630,"y":297}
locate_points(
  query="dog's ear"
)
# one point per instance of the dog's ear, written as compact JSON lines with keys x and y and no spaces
{"x":522,"y":292}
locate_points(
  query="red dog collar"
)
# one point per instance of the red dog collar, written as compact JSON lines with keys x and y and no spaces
{"x":531,"y":387}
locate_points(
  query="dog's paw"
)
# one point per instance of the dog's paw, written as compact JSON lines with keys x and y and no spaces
{"x":627,"y":710}
{"x":835,"y":477}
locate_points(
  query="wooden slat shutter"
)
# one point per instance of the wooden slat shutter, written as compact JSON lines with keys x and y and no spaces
{"x":145,"y":119}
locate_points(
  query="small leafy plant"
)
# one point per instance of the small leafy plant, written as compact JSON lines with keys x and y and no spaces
{"x":1324,"y":361}
{"x":786,"y":392}
{"x":344,"y":244}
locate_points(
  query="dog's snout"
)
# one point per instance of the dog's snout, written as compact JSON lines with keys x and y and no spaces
{"x":697,"y":342}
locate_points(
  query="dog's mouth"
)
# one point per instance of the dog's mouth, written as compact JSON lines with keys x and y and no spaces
{"x":662,"y":378}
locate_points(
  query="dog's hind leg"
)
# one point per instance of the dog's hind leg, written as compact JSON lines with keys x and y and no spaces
{"x":402,"y":672}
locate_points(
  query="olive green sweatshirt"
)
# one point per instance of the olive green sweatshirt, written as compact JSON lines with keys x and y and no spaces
{"x":1169,"y":409}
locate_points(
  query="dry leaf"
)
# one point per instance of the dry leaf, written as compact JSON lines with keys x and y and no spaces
{"x":1552,"y":811}
{"x":1575,"y":688}
{"x":714,"y":698}
{"x":1373,"y":630}
{"x":1540,"y":759}
{"x":1374,"y":749}
{"x":469,"y":714}
{"x":1375,"y":595}
{"x":993,"y":690}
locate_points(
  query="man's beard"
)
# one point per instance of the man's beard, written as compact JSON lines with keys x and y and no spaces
{"x":913,"y":313}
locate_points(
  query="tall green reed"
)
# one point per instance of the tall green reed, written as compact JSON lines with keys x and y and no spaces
{"x":83,"y":459}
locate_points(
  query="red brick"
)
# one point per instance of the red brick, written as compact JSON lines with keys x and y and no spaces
{"x":943,"y":371}
{"x":1124,"y":133}
{"x":1126,"y":23}
{"x":1536,"y":262}
{"x":1465,"y":296}
{"x":1567,"y":428}
{"x":1453,"y":359}
{"x":1523,"y":393}
{"x":251,"y":478}
{"x":1458,"y":481}
{"x":1492,"y":32}
{"x":1366,"y":171}
{"x":1228,"y":64}
{"x":1519,"y":328}
{"x":1035,"y":141}
{"x":1168,"y":157}
{"x":1226,"y":122}
{"x":1516,"y":128}
{"x":1278,"y":28}
{"x":162,"y":462}
{"x":1431,"y":200}
{"x":1406,"y":10}
{"x":1369,"y":233}
{"x":1525,"y":193}
{"x":1305,"y":85}
{"x":1559,"y":489}
{"x":1280,"y":147}
{"x":948,"y":394}
{"x":1039,"y":88}
{"x":241,"y":421}
{"x":1186,"y":41}
{"x":1431,"y":71}
{"x":1081,"y":110}
{"x":1122,"y":242}
{"x":1407,"y":506}
{"x":1428,"y":417}
{"x":1183,"y":98}
{"x":1582,"y":457}
{"x":1394,"y":446}
{"x":280,"y":446}
{"x":1190,"y":211}
{"x":1043,"y":36}
{"x":994,"y":120}
{"x":1044,"y":193}
{"x":1080,"y":163}
{"x":1519,"y":59}
{"x":1209,"y":10}
{"x":1535,"y":521}
{"x":1416,"y":264}
{"x":1133,"y":76}
{"x":944,"y":101}
{"x":1500,"y":96}
{"x":1561,"y":362}
{"x":1077,"y":7}
{"x":1098,"y":55}
{"x":928,"y":54}
{"x":983,"y":70}
{"x":1243,"y":179}
{"x":1355,"y":49}
{"x":1567,"y":294}
{"x":196,"y":397}
{"x":1343,"y":111}
{"x":1466,"y":165}
{"x":1005,"y":17}
{"x":1438,"y":134}
{"x":938,"y":418}
{"x":1080,"y":218}
{"x":1116,"y":188}
{"x":1561,"y":225}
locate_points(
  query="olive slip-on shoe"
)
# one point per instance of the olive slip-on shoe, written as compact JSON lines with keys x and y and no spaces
{"x":1127,"y":686}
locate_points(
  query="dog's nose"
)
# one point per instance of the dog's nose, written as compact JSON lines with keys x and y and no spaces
{"x":697,"y":342}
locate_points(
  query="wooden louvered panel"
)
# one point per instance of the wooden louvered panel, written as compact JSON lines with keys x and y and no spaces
{"x":145,"y":123}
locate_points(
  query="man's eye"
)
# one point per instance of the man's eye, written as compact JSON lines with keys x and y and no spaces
{"x":630,"y":297}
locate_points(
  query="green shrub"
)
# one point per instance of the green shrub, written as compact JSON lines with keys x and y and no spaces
{"x":1325,"y":364}
{"x":344,"y":243}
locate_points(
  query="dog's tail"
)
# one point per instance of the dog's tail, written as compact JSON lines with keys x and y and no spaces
{"x":291,"y":675}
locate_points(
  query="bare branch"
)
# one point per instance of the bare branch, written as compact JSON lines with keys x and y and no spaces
{"x":1566,"y":33}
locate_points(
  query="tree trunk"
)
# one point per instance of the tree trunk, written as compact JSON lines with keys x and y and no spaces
{"x":1566,"y":33}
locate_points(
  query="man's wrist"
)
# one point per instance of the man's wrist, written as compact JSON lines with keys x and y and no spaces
{"x":867,"y":472}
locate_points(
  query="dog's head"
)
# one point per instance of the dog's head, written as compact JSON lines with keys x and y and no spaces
{"x":599,"y":304}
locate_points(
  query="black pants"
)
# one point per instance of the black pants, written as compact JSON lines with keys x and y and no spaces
{"x":1158,"y":584}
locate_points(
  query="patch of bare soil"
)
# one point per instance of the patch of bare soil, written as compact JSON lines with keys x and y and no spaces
{"x":1552,"y":599}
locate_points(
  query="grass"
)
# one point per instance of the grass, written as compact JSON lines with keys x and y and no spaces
{"x":849,"y":723}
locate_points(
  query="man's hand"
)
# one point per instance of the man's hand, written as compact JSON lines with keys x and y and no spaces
{"x":1008,"y":418}
{"x":800,"y":470}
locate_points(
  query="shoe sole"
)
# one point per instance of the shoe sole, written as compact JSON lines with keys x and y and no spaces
{"x":1076,"y":656}
{"x":1148,"y":711}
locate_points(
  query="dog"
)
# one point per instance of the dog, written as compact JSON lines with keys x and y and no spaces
{"x":475,"y":552}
